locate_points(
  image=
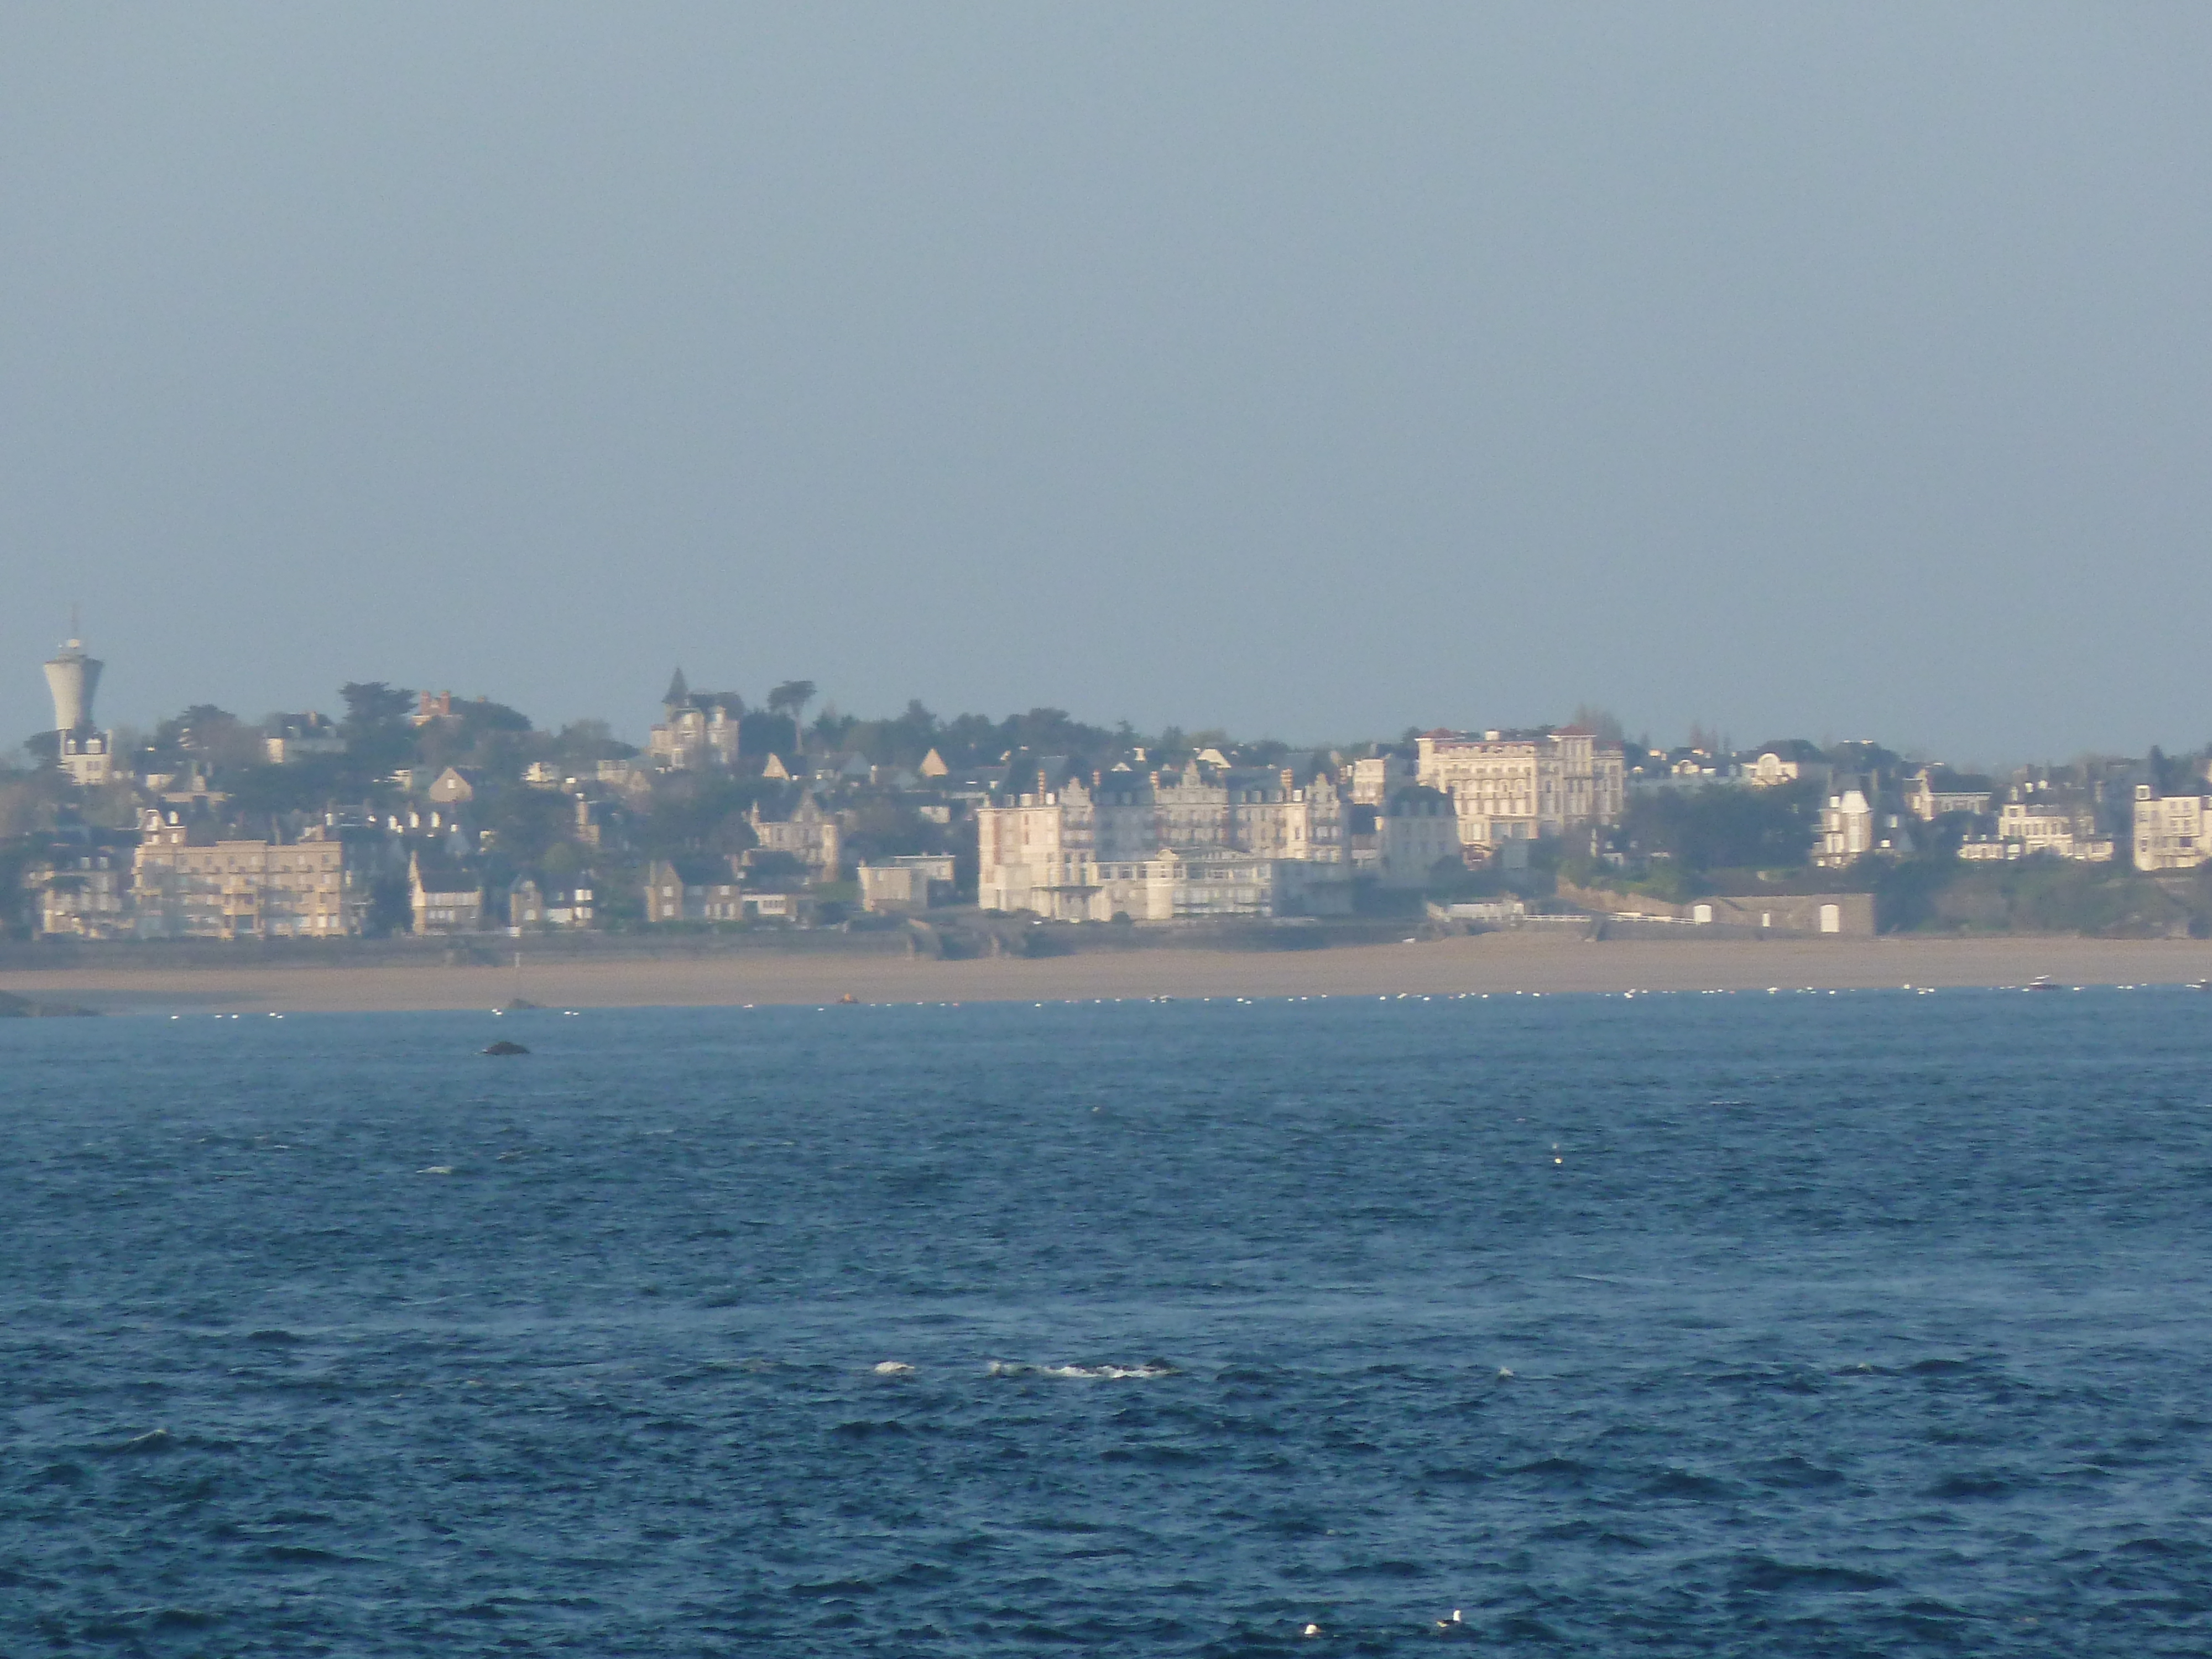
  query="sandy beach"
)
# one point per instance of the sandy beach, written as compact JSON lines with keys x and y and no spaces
{"x":1492,"y":961}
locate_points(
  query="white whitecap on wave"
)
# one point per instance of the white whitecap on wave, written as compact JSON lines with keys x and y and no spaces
{"x":1150,"y":1367}
{"x":894,"y":1368}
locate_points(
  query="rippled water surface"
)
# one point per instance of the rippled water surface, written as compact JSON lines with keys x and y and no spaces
{"x":1873,"y":1323}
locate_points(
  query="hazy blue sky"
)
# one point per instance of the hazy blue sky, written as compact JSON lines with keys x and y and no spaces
{"x":1836,"y":371}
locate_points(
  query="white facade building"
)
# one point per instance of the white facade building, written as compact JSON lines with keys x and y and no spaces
{"x":1518,"y":785}
{"x":2041,"y":824}
{"x":1158,"y":846}
{"x":1933,"y":794}
{"x":88,"y":756}
{"x":2051,"y":826}
{"x":2172,"y":832}
{"x":1403,"y":840}
{"x":1185,"y":884}
{"x":1858,"y":817}
{"x":1376,"y":777}
{"x":908,"y":883}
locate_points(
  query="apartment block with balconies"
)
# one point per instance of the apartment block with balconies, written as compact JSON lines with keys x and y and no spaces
{"x":1073,"y":853}
{"x":186,"y":883}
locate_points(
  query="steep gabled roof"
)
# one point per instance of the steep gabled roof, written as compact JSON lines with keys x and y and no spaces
{"x":699,"y":872}
{"x":434,"y":876}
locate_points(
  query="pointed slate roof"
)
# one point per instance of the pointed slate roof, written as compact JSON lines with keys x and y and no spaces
{"x":434,"y":875}
{"x":677,"y":693}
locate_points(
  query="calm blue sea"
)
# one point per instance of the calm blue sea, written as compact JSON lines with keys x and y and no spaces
{"x":1863,"y":1324}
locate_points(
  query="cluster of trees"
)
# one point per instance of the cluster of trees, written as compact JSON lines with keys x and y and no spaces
{"x":1702,"y":830}
{"x":969,"y":740}
{"x":1678,"y":843}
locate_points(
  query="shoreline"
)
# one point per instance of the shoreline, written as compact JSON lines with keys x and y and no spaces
{"x":1480,"y":962}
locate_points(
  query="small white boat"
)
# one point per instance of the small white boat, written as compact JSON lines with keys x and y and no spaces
{"x":2042,"y":982}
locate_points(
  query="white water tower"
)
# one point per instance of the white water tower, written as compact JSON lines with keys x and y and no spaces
{"x":72,"y":676}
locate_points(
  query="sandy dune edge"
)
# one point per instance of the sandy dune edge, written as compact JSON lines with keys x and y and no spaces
{"x":1495,"y":962}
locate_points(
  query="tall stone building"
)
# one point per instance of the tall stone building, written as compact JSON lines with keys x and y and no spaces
{"x":1520,"y":785}
{"x":2172,"y":832}
{"x":443,"y":898}
{"x":1159,"y":846}
{"x":80,"y":884}
{"x":187,"y":884}
{"x":700,"y":729}
{"x":806,"y":833}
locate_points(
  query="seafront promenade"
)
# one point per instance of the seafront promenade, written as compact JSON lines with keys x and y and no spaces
{"x":1494,"y":963}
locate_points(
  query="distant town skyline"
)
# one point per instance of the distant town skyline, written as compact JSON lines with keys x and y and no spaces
{"x":1299,"y":371}
{"x":630,"y":723}
{"x":430,"y":813}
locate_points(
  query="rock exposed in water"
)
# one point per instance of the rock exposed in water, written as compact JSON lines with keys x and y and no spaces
{"x":506,"y":1047}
